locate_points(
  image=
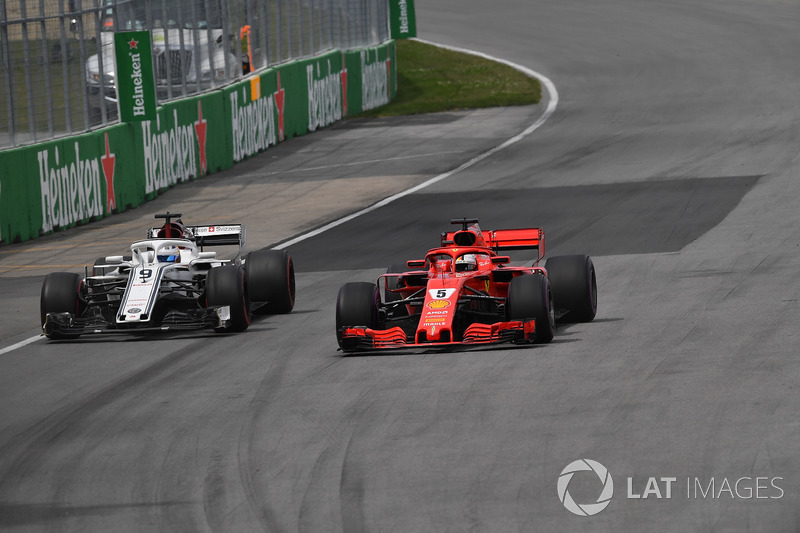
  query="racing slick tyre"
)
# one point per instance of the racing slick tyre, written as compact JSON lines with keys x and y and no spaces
{"x":270,"y":274}
{"x":574,"y":284}
{"x":391,"y":283}
{"x":227,"y":285}
{"x":356,"y":305}
{"x":530,"y":296}
{"x":60,"y":294}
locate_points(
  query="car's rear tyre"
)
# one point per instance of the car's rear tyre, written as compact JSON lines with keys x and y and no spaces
{"x":530,"y":296}
{"x":356,"y":305}
{"x":270,"y":274}
{"x":574,"y":284}
{"x":60,"y":294}
{"x":227,"y":285}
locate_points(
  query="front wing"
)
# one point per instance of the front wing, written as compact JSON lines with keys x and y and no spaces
{"x":363,"y":338}
{"x":67,"y":324}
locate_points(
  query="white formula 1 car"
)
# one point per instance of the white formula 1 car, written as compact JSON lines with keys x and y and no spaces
{"x":169,"y":283}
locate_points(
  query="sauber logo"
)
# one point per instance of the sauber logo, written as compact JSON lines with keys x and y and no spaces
{"x":438,"y":304}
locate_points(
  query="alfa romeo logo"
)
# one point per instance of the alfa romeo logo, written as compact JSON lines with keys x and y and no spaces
{"x":585,"y":509}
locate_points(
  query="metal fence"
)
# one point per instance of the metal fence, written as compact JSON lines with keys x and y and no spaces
{"x":57,"y":56}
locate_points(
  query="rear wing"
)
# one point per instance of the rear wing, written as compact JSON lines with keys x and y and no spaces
{"x":501,"y":239}
{"x":516,"y":239}
{"x":222,"y":235}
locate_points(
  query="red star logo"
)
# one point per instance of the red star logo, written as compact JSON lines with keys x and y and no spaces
{"x":200,"y":128}
{"x":389,"y":77}
{"x":279,"y":101}
{"x":133,"y":43}
{"x":108,"y":171}
{"x":344,"y":88}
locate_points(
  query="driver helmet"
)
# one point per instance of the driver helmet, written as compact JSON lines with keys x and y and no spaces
{"x":170,"y":254}
{"x":467,"y":263}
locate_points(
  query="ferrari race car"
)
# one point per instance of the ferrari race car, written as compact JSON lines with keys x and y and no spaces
{"x":168,"y":283}
{"x":464,"y":293}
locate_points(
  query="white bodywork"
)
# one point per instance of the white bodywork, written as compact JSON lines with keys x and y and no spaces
{"x":146,"y":274}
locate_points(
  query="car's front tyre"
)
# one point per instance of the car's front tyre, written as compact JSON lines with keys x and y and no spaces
{"x":227,"y":286}
{"x":60,"y":294}
{"x":530,"y":297}
{"x":356,"y":305}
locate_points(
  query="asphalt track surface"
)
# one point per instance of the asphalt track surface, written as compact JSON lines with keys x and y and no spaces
{"x":673,"y":158}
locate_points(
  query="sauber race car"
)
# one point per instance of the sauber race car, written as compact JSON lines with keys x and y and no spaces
{"x":170,"y":283}
{"x":465,"y":293}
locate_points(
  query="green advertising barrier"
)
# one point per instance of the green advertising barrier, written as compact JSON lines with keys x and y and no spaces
{"x":188,"y":139}
{"x":69,"y":181}
{"x":15,"y":196}
{"x":284,"y":102}
{"x":86,"y":177}
{"x":119,"y":163}
{"x":72,"y":181}
{"x":325,"y":89}
{"x":255,"y":111}
{"x":293,"y":82}
{"x":372,"y":78}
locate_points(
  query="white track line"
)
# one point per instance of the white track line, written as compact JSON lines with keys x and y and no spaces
{"x":551,"y":107}
{"x":19,"y":344}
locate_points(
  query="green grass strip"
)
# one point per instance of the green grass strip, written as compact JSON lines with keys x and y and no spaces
{"x":432,"y":79}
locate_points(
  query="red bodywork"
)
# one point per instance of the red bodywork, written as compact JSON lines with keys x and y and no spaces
{"x":435,"y":303}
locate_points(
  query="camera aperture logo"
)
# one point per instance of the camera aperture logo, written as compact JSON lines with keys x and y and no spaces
{"x":585,"y":509}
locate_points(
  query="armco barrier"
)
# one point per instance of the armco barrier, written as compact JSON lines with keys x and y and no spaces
{"x":75,"y":180}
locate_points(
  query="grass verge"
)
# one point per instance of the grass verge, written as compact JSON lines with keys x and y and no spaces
{"x":432,"y":79}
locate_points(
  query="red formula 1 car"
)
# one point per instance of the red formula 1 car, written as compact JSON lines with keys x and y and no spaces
{"x":465,"y":293}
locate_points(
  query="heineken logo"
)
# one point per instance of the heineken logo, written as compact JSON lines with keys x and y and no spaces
{"x":175,"y":153}
{"x":324,"y":96}
{"x":254,"y":124}
{"x":403,"y":16}
{"x":135,"y":82}
{"x":375,"y":89}
{"x":71,"y":187}
{"x":403,"y":19}
{"x":170,"y":155}
{"x":138,"y":90}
